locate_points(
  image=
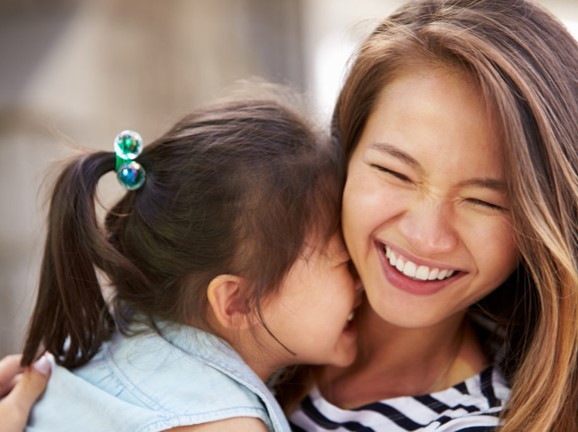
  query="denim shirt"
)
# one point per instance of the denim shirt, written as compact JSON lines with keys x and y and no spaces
{"x":151,"y":383}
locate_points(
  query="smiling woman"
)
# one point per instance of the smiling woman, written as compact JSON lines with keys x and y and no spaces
{"x":423,"y":175}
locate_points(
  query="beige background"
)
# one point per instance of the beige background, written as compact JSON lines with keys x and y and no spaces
{"x":74,"y":73}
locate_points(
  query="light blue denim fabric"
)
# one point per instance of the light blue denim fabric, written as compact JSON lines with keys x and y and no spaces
{"x":151,"y":383}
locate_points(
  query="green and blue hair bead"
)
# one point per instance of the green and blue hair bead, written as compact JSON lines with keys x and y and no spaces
{"x":128,"y":146}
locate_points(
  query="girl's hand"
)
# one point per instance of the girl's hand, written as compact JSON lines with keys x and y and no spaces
{"x":19,"y":389}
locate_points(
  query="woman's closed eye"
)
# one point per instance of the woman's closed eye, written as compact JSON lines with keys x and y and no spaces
{"x":393,"y":173}
{"x":487,"y":205}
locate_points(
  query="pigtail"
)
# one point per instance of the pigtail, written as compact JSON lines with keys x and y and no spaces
{"x":70,"y":318}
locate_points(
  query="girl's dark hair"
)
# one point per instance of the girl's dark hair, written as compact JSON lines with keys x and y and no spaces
{"x":237,"y":188}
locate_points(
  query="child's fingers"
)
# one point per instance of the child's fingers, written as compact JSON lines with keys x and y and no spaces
{"x":8,"y":386}
{"x":9,"y":368}
{"x":15,"y":407}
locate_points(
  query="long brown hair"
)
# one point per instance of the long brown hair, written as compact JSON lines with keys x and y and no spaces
{"x":526,"y":66}
{"x":233,"y":188}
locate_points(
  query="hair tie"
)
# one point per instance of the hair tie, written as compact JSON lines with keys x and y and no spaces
{"x":127,"y":146}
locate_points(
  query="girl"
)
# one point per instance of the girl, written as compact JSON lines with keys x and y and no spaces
{"x":460,"y":210}
{"x":226,"y":266}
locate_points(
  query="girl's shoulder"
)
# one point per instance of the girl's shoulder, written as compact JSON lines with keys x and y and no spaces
{"x":472,"y":405}
{"x":153,"y":381}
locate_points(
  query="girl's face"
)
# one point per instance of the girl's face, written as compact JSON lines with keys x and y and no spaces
{"x":425,"y":213}
{"x":311,"y":314}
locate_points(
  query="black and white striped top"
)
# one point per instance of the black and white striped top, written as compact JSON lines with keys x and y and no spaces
{"x":471,"y":406}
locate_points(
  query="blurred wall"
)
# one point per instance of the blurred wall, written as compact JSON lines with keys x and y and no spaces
{"x":75,"y":72}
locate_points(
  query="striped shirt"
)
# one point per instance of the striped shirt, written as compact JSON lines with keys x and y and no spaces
{"x":471,"y":406}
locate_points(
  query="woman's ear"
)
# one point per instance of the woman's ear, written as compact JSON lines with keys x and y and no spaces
{"x":226,"y":299}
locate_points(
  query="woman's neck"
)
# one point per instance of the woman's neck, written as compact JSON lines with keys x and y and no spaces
{"x":394,"y":361}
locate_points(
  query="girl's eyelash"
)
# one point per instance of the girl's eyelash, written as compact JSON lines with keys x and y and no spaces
{"x":393,"y":173}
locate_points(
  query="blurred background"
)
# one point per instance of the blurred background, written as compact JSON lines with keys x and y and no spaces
{"x":76,"y":72}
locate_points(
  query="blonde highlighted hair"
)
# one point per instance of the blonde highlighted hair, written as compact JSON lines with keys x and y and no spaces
{"x":525,"y":64}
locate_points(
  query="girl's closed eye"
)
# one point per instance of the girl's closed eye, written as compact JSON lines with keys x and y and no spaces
{"x":351,"y":268}
{"x":346,"y":264}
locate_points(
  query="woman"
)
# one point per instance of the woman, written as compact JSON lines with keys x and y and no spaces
{"x":460,"y":215}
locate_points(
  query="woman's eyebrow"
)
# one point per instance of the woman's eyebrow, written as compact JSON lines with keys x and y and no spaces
{"x":396,"y":153}
{"x":484,"y":182}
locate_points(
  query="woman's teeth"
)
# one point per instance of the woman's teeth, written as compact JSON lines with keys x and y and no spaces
{"x":413,"y":270}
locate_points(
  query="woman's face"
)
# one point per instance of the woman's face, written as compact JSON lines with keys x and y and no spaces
{"x":425,"y":214}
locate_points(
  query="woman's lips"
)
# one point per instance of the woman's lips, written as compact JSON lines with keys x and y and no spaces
{"x":412,"y":277}
{"x":415,"y":270}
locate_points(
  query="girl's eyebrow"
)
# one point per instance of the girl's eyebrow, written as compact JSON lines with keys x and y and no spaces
{"x":340,"y":255}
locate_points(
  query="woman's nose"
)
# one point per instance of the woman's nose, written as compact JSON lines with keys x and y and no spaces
{"x":429,"y":229}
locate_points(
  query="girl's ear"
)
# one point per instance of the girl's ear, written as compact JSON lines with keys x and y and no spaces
{"x":225,"y":294}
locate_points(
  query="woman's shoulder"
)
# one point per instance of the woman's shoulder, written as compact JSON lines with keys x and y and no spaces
{"x":472,"y":405}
